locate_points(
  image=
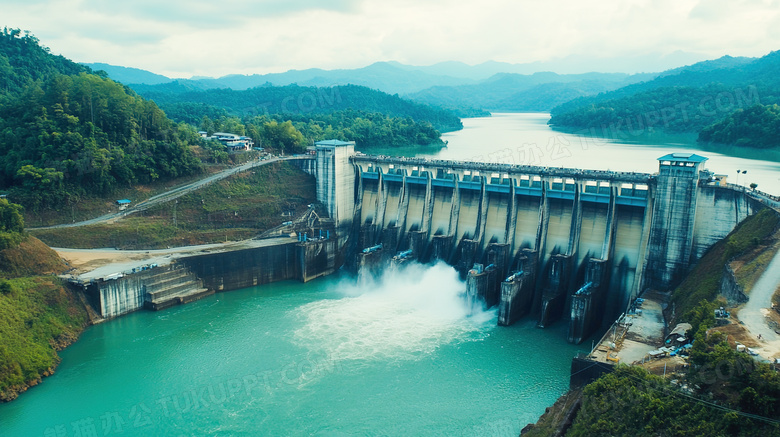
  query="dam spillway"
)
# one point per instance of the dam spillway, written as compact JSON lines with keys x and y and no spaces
{"x":642,"y":230}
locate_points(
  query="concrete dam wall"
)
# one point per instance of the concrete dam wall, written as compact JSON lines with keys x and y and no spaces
{"x":153,"y":287}
{"x":189,"y":278}
{"x":555,"y":243}
{"x":551,"y":243}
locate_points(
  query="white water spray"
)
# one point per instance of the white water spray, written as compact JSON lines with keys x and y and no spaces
{"x":404,"y":313}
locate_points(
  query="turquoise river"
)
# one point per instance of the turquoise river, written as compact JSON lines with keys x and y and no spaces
{"x":393,"y":356}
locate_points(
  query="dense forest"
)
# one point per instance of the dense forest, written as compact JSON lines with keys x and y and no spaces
{"x":186,"y":104}
{"x":23,"y":62}
{"x":291,"y":133}
{"x":688,"y":99}
{"x":65,"y":132}
{"x":757,"y":126}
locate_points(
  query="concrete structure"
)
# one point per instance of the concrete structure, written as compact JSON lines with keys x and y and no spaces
{"x":642,"y":230}
{"x":671,"y":243}
{"x":336,"y":181}
{"x":153,"y":287}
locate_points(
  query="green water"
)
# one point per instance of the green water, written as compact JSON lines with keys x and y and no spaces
{"x":396,"y":356}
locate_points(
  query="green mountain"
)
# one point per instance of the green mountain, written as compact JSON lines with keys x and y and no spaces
{"x":65,"y":132}
{"x":291,"y":99}
{"x":23,"y":62}
{"x":682,"y":100}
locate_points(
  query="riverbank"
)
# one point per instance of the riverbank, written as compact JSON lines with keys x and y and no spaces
{"x":39,"y":316}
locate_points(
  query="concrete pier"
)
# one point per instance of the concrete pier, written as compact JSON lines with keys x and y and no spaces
{"x":370,"y":261}
{"x":555,"y":291}
{"x":482,"y":287}
{"x":587,"y":303}
{"x":517,"y":290}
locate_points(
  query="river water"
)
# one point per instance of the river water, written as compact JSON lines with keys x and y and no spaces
{"x":526,"y":139}
{"x":393,"y":356}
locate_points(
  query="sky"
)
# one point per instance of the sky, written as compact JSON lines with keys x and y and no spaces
{"x":185,"y":38}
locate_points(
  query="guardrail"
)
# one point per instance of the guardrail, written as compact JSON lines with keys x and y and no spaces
{"x":511,"y":168}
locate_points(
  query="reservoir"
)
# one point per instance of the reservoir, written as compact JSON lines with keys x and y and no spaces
{"x":394,"y":355}
{"x":526,"y":139}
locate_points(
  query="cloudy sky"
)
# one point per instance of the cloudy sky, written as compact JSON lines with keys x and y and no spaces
{"x":184,"y":38}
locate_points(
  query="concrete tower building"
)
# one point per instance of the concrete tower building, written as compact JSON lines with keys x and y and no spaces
{"x":671,"y":235}
{"x":336,"y":181}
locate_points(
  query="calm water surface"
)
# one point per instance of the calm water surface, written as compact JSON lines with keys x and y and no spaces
{"x":527,"y":139}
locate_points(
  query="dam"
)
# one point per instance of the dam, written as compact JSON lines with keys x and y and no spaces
{"x":555,"y":243}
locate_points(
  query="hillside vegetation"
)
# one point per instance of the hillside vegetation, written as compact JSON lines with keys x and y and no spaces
{"x":703,"y":282}
{"x":757,"y":126}
{"x":66,"y":133}
{"x":701,"y":97}
{"x":24,"y":62}
{"x":293,"y":100}
{"x":235,"y":208}
{"x":38,"y":314}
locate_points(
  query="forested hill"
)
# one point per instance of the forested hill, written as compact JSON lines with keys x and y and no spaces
{"x":757,"y":127}
{"x":23,"y":61}
{"x":175,"y":97}
{"x":682,"y":100}
{"x":65,"y":133}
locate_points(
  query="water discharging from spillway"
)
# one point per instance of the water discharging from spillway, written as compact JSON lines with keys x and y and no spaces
{"x":401,"y":314}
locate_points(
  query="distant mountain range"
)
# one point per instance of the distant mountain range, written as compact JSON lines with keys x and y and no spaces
{"x":688,"y":99}
{"x":466,"y":89}
{"x":575,"y":99}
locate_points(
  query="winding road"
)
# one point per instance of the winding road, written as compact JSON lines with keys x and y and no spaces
{"x":174,"y":193}
{"x":760,"y":302}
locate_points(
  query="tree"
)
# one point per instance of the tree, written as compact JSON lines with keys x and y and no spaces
{"x":283,"y":136}
{"x":11,"y":224}
{"x":753,"y":186}
{"x":10,"y":217}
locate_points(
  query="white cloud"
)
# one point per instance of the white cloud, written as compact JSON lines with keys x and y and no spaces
{"x":184,"y":38}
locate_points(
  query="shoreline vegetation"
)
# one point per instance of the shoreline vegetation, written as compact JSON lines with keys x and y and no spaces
{"x":663,"y":138}
{"x":39,"y":315}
